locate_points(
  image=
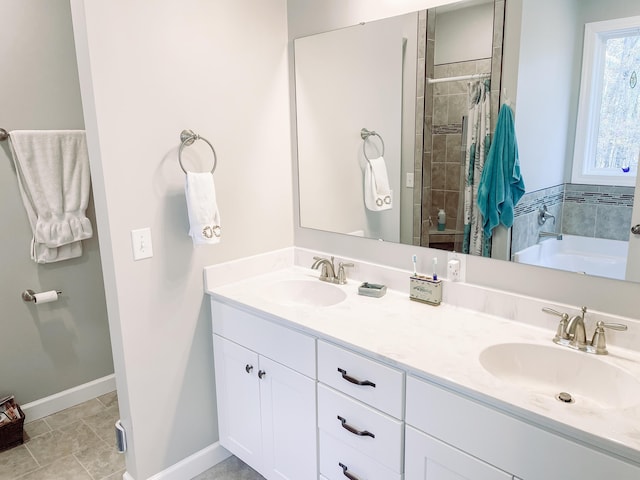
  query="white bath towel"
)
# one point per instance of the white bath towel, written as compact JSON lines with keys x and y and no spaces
{"x":204,"y":217}
{"x":377,"y":193}
{"x":54,"y":179}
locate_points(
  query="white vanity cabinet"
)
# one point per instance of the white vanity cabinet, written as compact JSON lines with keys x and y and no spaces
{"x":360,"y":410}
{"x":449,"y":436}
{"x":265,"y":384}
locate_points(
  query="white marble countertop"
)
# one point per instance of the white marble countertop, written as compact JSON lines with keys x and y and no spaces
{"x":442,"y":344}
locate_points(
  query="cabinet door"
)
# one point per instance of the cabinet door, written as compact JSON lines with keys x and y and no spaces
{"x":427,"y":458}
{"x":238,"y":395}
{"x":288,"y":403}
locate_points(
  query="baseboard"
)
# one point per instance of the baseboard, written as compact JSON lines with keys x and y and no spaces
{"x":68,"y":398}
{"x":191,"y":466}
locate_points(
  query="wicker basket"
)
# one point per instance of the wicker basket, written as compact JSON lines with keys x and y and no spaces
{"x":11,"y":434}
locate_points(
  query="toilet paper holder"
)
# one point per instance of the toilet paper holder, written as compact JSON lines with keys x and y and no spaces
{"x":30,"y":296}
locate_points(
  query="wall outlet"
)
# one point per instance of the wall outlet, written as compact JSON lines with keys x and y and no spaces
{"x":456,"y":267}
{"x":141,"y":243}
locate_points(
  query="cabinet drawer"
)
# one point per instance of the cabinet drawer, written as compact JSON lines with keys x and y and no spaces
{"x":284,"y":345}
{"x":383,"y":386}
{"x":336,"y":456}
{"x":361,"y":427}
{"x":468,"y":424}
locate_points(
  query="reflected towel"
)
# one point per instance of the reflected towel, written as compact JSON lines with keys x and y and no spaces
{"x":202,"y":208}
{"x":377,"y":193}
{"x":54,"y":178}
{"x":501,"y":185}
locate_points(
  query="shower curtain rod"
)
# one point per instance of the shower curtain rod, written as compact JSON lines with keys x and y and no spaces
{"x":461,"y":77}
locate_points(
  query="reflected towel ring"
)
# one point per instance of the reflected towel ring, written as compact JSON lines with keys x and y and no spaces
{"x":187,"y":137}
{"x":365,"y":134}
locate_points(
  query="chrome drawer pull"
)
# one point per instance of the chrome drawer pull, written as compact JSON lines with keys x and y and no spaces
{"x":355,"y":381}
{"x":350,"y":476}
{"x":355,"y":431}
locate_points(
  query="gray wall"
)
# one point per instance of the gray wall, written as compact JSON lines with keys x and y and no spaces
{"x":56,"y":346}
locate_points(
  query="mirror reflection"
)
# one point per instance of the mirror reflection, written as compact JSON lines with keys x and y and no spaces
{"x":409,"y":79}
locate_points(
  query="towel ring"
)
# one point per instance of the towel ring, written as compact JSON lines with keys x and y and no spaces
{"x":365,"y":134}
{"x":187,"y":137}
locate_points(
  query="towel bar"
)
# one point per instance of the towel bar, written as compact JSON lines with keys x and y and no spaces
{"x":187,"y":137}
{"x":3,"y":134}
{"x":365,"y":134}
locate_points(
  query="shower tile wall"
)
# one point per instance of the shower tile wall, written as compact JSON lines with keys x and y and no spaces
{"x":525,"y":222}
{"x":445,"y":105}
{"x":598,"y":211}
{"x":587,"y":210}
{"x":450,"y":104}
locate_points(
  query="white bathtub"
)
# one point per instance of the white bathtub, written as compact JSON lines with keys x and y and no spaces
{"x":593,"y":256}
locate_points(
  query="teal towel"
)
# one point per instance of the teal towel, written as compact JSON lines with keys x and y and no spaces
{"x":501,"y":186}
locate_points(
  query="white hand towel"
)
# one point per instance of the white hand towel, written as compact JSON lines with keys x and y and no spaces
{"x":377,"y":193}
{"x":54,"y":179}
{"x":204,"y":218}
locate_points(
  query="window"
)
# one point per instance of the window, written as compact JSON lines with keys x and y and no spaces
{"x":608,"y":129}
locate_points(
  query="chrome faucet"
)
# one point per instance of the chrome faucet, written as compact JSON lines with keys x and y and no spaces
{"x":543,"y":215}
{"x":576,"y":331}
{"x":328,"y":269}
{"x":328,"y":272}
{"x":557,"y":236}
{"x":572,"y":332}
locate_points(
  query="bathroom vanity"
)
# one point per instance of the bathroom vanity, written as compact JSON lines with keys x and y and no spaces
{"x":315,"y":384}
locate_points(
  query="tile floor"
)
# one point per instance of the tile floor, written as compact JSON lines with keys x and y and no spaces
{"x":230,"y":469}
{"x":79,"y":444}
{"x":75,"y":444}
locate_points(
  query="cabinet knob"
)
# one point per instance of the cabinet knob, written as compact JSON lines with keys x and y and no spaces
{"x":261,"y":373}
{"x":248,"y":368}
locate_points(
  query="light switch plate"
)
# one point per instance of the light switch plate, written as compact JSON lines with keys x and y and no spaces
{"x":409,"y":182}
{"x":141,"y":243}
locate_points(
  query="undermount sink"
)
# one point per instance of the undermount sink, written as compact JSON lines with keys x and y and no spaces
{"x":310,"y":293}
{"x":550,"y":370}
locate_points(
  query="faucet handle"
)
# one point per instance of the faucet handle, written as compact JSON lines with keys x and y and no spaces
{"x":599,"y":341}
{"x":561,"y":333}
{"x":342,"y":276}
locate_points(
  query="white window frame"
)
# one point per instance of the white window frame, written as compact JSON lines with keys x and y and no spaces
{"x":595,"y":37}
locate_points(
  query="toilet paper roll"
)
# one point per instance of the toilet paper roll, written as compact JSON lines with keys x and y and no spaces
{"x":46,"y":297}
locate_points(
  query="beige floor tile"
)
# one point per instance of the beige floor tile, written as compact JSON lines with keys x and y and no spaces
{"x":15,"y":462}
{"x":73,"y":414}
{"x":103,"y":424}
{"x":116,"y":476}
{"x":63,"y":441}
{"x":230,"y":469}
{"x":35,"y":428}
{"x":66,"y":468}
{"x":109,"y":399}
{"x":101,"y":462}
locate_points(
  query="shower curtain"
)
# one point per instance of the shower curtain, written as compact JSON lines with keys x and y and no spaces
{"x":478,"y":142}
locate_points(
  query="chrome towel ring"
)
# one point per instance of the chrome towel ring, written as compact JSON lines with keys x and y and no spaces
{"x":187,"y":137}
{"x":365,"y":134}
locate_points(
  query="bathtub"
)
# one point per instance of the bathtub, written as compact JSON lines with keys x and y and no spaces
{"x":593,"y":256}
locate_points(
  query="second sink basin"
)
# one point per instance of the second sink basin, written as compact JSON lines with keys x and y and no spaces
{"x":551,"y":370}
{"x":310,"y":293}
